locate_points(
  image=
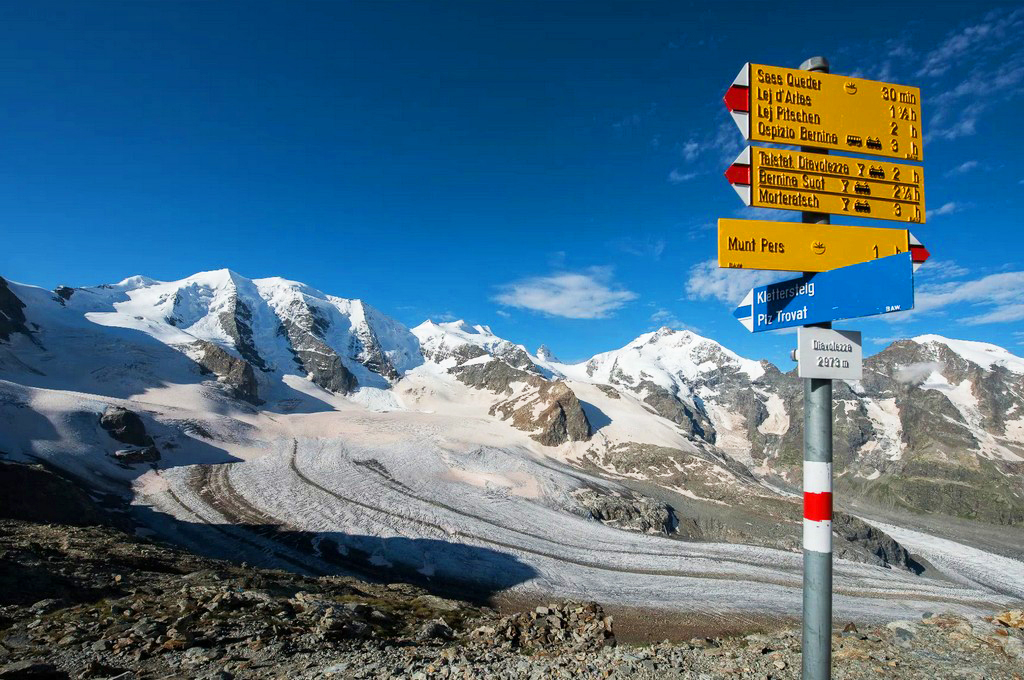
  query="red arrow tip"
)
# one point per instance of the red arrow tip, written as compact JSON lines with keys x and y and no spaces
{"x":737,"y":98}
{"x":738,"y":174}
{"x":919,"y":254}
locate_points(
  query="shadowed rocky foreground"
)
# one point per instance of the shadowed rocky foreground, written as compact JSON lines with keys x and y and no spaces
{"x":97,"y":602}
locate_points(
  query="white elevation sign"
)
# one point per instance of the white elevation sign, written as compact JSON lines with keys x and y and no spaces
{"x":828,"y":353}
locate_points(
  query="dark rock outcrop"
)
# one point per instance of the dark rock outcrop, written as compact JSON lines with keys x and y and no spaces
{"x":237,"y":323}
{"x":563,"y":419}
{"x":628,"y":511}
{"x":494,"y":375}
{"x":125,"y":426}
{"x":236,"y":373}
{"x":668,"y":405}
{"x":550,"y":410}
{"x":12,"y":314}
{"x":134,"y":455}
{"x":304,"y":327}
{"x":862,"y":542}
{"x":367,"y":350}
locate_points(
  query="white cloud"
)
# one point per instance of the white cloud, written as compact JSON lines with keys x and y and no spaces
{"x":966,"y":166}
{"x":502,"y":312}
{"x":941,"y":269}
{"x":587,"y":295}
{"x":999,"y":295}
{"x":946,"y":209}
{"x":980,"y":68}
{"x":629,"y":122}
{"x":640,"y":247}
{"x":771,"y":214}
{"x":965,"y":122}
{"x":635,"y":121}
{"x":888,"y":340}
{"x":676,"y":177}
{"x":996,"y":28}
{"x":708,"y":281}
{"x":691,"y":150}
{"x":1001,"y":314}
{"x":664,"y":318}
{"x":727,"y":141}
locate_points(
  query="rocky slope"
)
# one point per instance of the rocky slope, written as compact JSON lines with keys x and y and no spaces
{"x":100,"y":604}
{"x":548,"y":409}
{"x":937,"y":425}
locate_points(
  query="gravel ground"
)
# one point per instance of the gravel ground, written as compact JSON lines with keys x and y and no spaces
{"x":92,"y":602}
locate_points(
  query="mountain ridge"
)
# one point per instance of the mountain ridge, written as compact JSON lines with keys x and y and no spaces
{"x":930,"y":413}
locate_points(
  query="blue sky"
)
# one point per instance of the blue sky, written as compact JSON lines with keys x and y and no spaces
{"x":551,"y":169}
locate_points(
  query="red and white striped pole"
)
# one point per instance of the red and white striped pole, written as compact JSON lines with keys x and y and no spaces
{"x":818,"y":506}
{"x":817,"y":628}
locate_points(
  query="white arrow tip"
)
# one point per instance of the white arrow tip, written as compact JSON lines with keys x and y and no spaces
{"x":744,"y":192}
{"x":742,"y":120}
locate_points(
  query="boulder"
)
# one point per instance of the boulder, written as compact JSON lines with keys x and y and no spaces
{"x":141,"y":454}
{"x":125,"y":426}
{"x":577,"y":626}
{"x":438,"y":629}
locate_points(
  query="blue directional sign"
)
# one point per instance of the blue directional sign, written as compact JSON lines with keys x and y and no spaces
{"x":873,"y":287}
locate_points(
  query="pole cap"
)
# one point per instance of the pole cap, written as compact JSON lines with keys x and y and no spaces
{"x":815,"y":64}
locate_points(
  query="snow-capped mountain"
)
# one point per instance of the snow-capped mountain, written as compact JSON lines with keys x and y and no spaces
{"x":937,"y":425}
{"x":676,"y":373}
{"x":217,"y":402}
{"x":253,"y":334}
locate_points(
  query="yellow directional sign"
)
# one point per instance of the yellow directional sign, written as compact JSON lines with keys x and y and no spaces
{"x":825,"y":111}
{"x":794,"y":180}
{"x":794,"y":246}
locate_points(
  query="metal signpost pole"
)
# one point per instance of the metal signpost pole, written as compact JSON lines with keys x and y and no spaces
{"x":817,"y":624}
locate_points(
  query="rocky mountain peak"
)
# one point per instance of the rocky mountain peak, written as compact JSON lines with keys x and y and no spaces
{"x":678,"y":336}
{"x":544,"y":353}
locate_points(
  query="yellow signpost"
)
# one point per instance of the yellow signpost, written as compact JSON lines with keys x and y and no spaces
{"x":818,"y":111}
{"x":796,"y":180}
{"x":824,"y":111}
{"x":799,"y":247}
